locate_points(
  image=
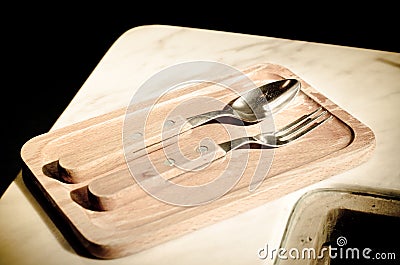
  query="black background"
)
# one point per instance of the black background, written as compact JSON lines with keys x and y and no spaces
{"x":51,"y":50}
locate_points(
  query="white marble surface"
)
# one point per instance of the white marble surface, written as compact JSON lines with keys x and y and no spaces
{"x":364,"y":82}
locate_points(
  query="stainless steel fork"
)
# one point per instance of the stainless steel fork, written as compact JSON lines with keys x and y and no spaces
{"x":283,"y":136}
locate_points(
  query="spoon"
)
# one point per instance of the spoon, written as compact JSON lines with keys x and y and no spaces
{"x":254,"y":105}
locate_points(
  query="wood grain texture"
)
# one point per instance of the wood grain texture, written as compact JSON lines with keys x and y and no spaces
{"x":82,"y":169}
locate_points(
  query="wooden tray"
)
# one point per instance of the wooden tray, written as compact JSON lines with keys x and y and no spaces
{"x":81,"y":171}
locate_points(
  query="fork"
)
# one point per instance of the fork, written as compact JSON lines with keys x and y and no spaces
{"x":170,"y":166}
{"x":284,"y":135}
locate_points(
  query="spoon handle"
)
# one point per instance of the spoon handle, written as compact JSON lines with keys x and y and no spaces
{"x":200,"y":119}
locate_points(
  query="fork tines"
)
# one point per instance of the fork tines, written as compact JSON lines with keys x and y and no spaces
{"x":303,"y":125}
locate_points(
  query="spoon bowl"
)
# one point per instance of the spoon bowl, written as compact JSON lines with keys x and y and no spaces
{"x":258,"y":103}
{"x":255,"y":104}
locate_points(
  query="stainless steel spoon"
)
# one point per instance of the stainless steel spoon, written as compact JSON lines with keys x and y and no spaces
{"x":254,"y":105}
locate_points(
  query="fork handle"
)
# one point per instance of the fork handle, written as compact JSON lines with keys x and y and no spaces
{"x":236,"y":143}
{"x":200,"y":119}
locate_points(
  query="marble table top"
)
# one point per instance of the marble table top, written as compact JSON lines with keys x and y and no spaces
{"x":364,"y":82}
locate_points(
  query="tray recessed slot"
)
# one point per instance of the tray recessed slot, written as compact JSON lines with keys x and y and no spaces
{"x":56,"y":171}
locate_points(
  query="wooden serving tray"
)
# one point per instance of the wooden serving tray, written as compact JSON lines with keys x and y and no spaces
{"x":81,"y":170}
